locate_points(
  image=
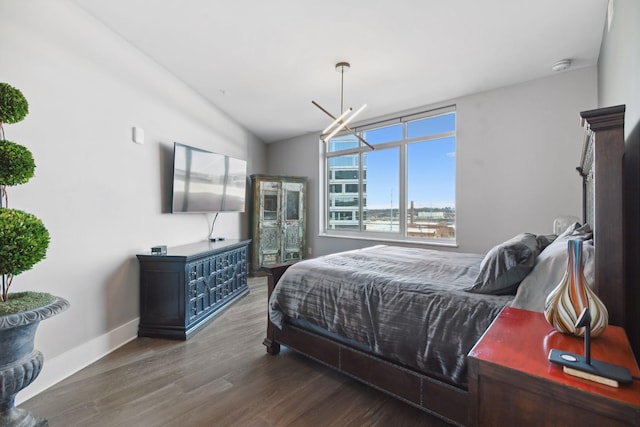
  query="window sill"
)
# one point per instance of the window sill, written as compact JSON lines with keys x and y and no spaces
{"x":435,"y":243}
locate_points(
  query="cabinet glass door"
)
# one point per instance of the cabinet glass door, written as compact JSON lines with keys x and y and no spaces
{"x":293,"y":229}
{"x":270,"y":205}
{"x":293,"y":206}
{"x":270,"y":235}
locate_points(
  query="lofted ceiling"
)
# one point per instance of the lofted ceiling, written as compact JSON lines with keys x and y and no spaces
{"x":262,"y":62}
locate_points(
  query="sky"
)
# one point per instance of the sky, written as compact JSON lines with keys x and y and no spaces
{"x":431,"y":165}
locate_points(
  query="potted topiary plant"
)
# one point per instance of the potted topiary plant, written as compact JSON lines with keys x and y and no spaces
{"x":23,"y":243}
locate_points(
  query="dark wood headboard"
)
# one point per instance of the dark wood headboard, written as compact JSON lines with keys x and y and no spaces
{"x":605,"y":202}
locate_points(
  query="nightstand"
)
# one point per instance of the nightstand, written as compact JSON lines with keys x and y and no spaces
{"x":511,"y":381}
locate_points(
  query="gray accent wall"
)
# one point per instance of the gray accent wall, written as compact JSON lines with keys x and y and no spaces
{"x":102,"y":197}
{"x":517,"y":148}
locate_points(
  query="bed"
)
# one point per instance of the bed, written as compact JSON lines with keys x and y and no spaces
{"x":429,"y":371}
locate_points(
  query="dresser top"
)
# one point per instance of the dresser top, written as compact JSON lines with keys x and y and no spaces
{"x":196,"y":250}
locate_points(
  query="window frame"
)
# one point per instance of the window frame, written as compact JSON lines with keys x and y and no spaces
{"x":359,"y":151}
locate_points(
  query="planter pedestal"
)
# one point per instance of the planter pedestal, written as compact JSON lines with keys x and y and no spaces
{"x":20,"y":363}
{"x":19,"y":417}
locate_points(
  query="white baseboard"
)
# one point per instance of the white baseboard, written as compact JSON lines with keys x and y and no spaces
{"x":60,"y":367}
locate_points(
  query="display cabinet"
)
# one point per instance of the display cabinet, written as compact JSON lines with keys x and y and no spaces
{"x":278,"y":219}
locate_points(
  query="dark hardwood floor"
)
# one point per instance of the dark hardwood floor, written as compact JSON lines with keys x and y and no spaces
{"x":222,"y":376}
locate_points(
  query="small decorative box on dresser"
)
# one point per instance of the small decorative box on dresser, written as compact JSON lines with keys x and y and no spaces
{"x":511,"y":381}
{"x":185,"y":288}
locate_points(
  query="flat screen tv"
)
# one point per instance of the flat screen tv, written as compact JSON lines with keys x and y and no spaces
{"x":207,"y":182}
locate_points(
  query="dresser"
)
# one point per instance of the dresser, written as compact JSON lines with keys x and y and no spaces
{"x":183,"y":290}
{"x":278,"y":219}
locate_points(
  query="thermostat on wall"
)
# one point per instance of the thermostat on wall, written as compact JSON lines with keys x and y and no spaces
{"x":137,"y":135}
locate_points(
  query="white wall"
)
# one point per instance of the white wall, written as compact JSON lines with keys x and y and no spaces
{"x":619,"y":62}
{"x":101,"y":196}
{"x":517,"y":148}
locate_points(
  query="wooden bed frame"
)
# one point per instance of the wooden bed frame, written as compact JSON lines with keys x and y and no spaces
{"x":604,"y":207}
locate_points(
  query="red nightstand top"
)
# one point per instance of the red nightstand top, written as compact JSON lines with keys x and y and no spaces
{"x":521,"y":340}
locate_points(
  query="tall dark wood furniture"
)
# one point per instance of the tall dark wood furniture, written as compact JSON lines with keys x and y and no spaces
{"x":278,"y":219}
{"x":182,"y":291}
{"x":602,"y":157}
{"x":511,"y":382}
{"x":610,"y":202}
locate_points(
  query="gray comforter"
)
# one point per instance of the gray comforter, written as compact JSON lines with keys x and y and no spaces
{"x":405,"y":304}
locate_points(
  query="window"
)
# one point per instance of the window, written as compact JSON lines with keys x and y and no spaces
{"x":404,"y":189}
{"x":336,"y":188}
{"x":346,"y":174}
{"x":351,"y":188}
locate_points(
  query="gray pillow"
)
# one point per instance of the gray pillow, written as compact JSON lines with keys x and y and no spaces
{"x":506,"y":264}
{"x":551,"y":265}
{"x":545,"y":240}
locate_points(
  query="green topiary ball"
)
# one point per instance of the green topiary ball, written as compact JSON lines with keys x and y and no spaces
{"x":23,"y":241}
{"x":13,"y":105}
{"x":16,"y":163}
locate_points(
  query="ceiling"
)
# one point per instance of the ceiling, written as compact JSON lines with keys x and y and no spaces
{"x":262,"y":62}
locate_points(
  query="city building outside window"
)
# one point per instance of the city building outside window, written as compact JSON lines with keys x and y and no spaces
{"x":404,"y":189}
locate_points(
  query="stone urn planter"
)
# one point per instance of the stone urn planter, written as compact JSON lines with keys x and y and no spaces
{"x":20,"y":363}
{"x":24,"y":240}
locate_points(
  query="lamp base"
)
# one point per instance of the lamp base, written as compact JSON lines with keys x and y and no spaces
{"x":598,"y":371}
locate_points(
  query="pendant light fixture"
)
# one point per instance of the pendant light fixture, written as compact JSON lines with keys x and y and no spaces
{"x":341,"y":122}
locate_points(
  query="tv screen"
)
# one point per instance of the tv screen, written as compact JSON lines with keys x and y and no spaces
{"x":207,"y":182}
